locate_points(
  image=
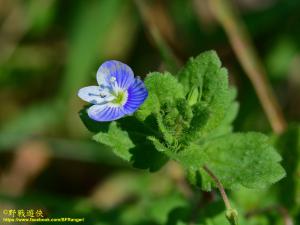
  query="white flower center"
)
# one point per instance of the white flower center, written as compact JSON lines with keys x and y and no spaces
{"x":113,"y":94}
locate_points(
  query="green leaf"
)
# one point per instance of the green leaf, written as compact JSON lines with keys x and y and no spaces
{"x":193,"y":129}
{"x":145,"y":156}
{"x":128,"y":138}
{"x":117,"y":139}
{"x":163,"y":102}
{"x":206,"y":74}
{"x":239,"y":159}
{"x":193,"y":73}
{"x":203,"y":107}
{"x":225,"y":126}
{"x":163,"y":89}
{"x":198,"y":122}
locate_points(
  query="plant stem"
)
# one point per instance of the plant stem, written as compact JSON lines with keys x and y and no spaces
{"x":220,"y":187}
{"x":245,"y":51}
{"x":231,"y":213}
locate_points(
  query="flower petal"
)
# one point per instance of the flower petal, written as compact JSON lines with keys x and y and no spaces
{"x":137,"y":94}
{"x":105,"y":112}
{"x":90,"y":94}
{"x":120,"y":71}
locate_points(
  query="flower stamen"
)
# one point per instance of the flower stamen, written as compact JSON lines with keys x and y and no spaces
{"x":102,"y":95}
{"x":120,"y":98}
{"x":112,"y":79}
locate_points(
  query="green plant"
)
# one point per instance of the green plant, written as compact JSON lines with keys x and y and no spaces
{"x":188,"y":118}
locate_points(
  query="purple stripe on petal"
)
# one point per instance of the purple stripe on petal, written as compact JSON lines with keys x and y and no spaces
{"x":137,"y":93}
{"x":90,"y":94}
{"x":114,"y":78}
{"x":123,"y":73}
{"x":105,"y":112}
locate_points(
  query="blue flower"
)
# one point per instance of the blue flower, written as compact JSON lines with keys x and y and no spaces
{"x":119,"y":93}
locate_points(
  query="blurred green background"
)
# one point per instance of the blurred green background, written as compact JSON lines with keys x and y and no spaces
{"x":51,"y":48}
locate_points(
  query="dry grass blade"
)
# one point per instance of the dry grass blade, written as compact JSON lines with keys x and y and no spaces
{"x":246,"y":54}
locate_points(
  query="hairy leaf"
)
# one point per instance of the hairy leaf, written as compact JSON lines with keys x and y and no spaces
{"x":117,"y":139}
{"x":190,"y":121}
{"x":163,"y":89}
{"x":239,"y":159}
{"x":166,"y":103}
{"x":206,"y":74}
{"x":128,"y":138}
